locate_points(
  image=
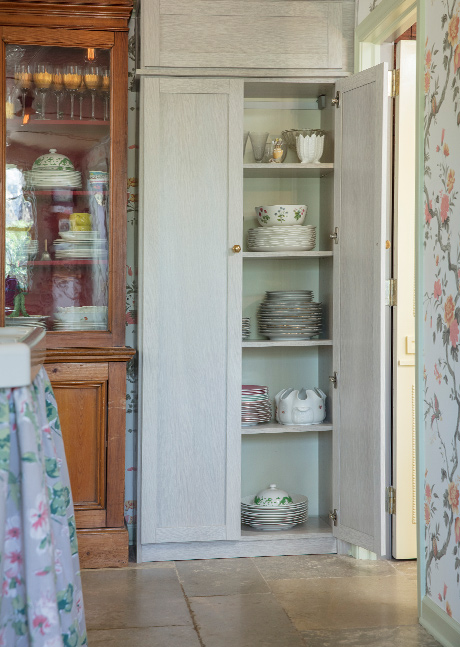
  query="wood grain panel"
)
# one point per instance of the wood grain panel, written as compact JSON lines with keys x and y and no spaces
{"x":247,"y":8}
{"x":65,"y":14}
{"x":89,"y":518}
{"x":103,"y":547}
{"x":60,"y":38}
{"x":194,"y":86}
{"x":77,"y":371}
{"x":82,"y":412}
{"x":116,"y":443}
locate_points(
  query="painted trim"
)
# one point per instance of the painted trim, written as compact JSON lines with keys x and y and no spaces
{"x":442,"y":627}
{"x":386,"y":22}
{"x":419,"y":289}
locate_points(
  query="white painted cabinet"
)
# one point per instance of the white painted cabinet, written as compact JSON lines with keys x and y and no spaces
{"x":254,"y":37}
{"x":198,"y":199}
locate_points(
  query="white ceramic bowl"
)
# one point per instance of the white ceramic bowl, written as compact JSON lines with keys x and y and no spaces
{"x":281,"y":214}
{"x":309,"y":148}
{"x":272,"y":497}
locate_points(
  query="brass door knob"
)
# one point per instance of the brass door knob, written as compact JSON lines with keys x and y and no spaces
{"x":236,"y":249}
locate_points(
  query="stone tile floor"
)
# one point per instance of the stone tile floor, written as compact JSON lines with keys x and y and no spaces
{"x":306,"y":601}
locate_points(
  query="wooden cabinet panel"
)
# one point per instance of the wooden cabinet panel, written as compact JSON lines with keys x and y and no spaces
{"x":254,"y":34}
{"x":82,"y":412}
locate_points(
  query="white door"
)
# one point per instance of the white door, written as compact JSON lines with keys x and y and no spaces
{"x":361,"y":360}
{"x":404,"y":529}
{"x":190,"y":343}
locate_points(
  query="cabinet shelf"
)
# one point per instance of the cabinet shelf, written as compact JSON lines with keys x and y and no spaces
{"x":69,"y":261}
{"x":46,"y":123}
{"x":277,"y":428}
{"x":64,"y":189}
{"x":266,"y":343}
{"x":313,"y":527}
{"x":295,"y":170}
{"x":286,"y":255}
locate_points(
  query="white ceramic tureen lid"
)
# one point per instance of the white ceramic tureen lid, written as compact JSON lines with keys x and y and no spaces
{"x":272,"y":497}
{"x":53,"y":161}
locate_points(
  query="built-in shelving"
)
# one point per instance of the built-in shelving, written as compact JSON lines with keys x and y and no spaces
{"x":293,"y":170}
{"x":266,"y":343}
{"x":314,"y":526}
{"x":61,"y":189}
{"x":287,"y":255}
{"x":277,"y":428}
{"x":70,"y":261}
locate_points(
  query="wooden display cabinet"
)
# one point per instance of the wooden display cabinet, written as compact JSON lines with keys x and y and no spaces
{"x":65,"y":89}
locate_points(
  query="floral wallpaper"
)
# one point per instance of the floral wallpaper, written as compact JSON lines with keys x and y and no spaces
{"x":441,"y":304}
{"x":131,"y":288}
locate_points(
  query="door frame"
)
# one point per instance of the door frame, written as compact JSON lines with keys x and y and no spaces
{"x":385,"y":23}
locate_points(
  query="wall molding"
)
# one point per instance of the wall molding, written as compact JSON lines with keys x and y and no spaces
{"x":442,"y":627}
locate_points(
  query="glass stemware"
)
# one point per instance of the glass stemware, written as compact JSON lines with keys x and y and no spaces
{"x":105,"y":89}
{"x":93,"y":80}
{"x":43,"y":77}
{"x":58,"y":89}
{"x":23,"y":80}
{"x":81,"y":96}
{"x":72,"y":81}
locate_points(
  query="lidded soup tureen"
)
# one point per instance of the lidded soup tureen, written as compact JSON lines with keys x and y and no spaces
{"x":272,"y":497}
{"x":52,"y":161}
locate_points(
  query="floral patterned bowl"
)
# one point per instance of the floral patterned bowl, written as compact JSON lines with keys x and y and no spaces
{"x":52,"y":161}
{"x":281,"y":214}
{"x":272,"y":497}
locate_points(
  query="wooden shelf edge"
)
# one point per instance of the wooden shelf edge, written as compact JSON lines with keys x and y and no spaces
{"x":277,"y":428}
{"x":262,"y":343}
{"x":112,"y":354}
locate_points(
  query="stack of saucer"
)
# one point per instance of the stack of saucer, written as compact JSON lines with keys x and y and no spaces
{"x":80,"y":245}
{"x":29,"y":320}
{"x":49,"y":179}
{"x":290,"y":314}
{"x":246,"y":327}
{"x":295,"y":238}
{"x":255,"y":405}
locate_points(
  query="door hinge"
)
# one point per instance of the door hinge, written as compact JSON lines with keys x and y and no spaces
{"x":391,"y":500}
{"x":334,"y":516}
{"x":391,"y":292}
{"x":333,"y":379}
{"x":335,"y":236}
{"x":336,"y":100}
{"x":394,"y":83}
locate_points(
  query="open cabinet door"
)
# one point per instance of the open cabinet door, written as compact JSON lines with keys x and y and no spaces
{"x":361,"y":346}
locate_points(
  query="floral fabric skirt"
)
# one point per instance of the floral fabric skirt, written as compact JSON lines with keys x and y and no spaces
{"x":41,"y":602}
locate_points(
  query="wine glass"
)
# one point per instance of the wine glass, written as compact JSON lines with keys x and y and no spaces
{"x":93,"y":80}
{"x":58,"y":88}
{"x":23,"y":80}
{"x":105,"y":89}
{"x":72,"y":81}
{"x":43,"y":77}
{"x":81,"y":96}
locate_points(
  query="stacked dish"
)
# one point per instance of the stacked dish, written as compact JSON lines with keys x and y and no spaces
{"x":53,"y":170}
{"x":246,"y":327}
{"x":290,"y":314}
{"x":80,"y":245}
{"x":295,"y":238}
{"x":98,"y":180}
{"x":81,"y":318}
{"x":255,"y":406}
{"x":30,"y":320}
{"x":275,"y":510}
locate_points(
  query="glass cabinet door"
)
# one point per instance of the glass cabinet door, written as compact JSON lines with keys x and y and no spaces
{"x":57,"y":218}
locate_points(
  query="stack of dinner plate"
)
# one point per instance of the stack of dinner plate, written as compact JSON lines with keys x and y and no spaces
{"x":292,"y":314}
{"x":53,"y":179}
{"x":295,"y":238}
{"x":80,"y":245}
{"x":30,"y":320}
{"x":80,"y":318}
{"x":246,"y":327}
{"x":255,"y":405}
{"x":274,"y":518}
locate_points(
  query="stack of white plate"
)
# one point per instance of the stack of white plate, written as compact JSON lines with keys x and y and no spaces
{"x":294,"y":238}
{"x":289,"y":315}
{"x":31,"y":320}
{"x":256,"y":408}
{"x":51,"y":179}
{"x":276,"y":518}
{"x":80,"y":245}
{"x":32,"y":247}
{"x":81,"y":318}
{"x":246,"y":327}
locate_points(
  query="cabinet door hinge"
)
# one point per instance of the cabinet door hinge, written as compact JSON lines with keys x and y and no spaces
{"x":333,"y":379}
{"x":391,"y":292}
{"x":394,"y":83}
{"x":334,"y":516}
{"x":391,"y":500}
{"x":335,"y":236}
{"x":336,"y":100}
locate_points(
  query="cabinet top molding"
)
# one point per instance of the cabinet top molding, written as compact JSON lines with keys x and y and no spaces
{"x":96,"y":15}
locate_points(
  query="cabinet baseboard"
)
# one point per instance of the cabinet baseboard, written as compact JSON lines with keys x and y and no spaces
{"x":103,"y":547}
